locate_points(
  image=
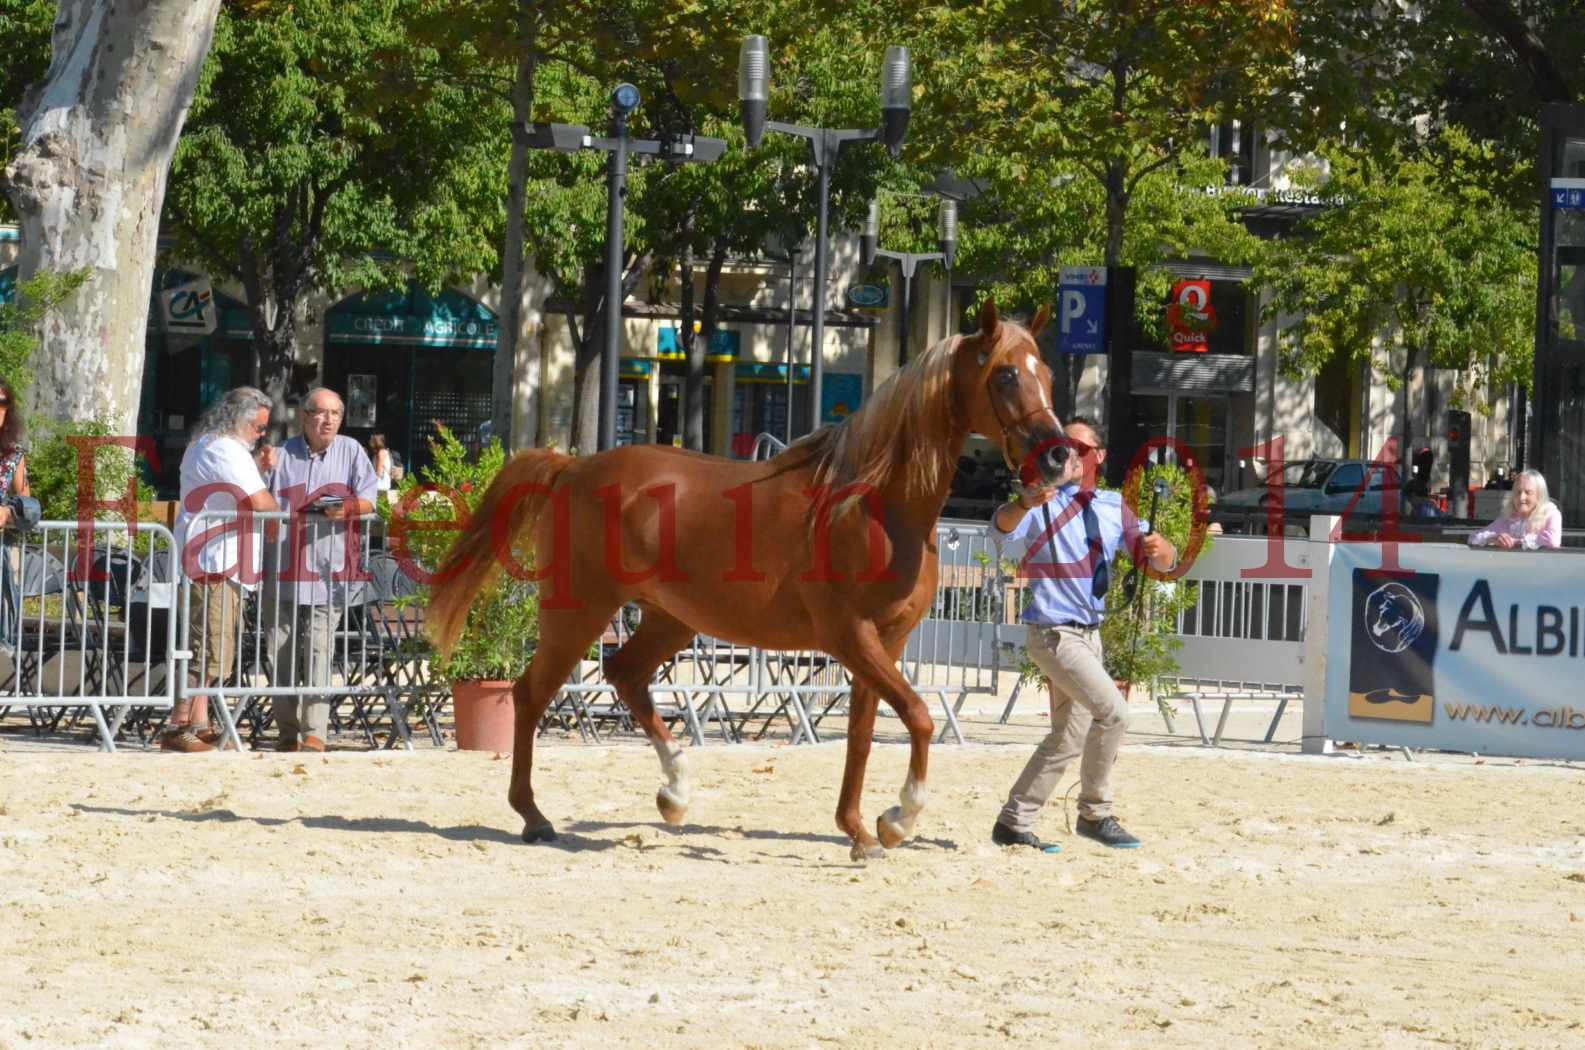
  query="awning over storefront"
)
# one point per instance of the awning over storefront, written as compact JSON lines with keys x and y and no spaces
{"x":763,"y":372}
{"x":724,"y":345}
{"x":1228,"y":373}
{"x":413,"y":317}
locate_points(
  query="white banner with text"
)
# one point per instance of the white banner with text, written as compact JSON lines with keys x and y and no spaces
{"x":1462,"y":650}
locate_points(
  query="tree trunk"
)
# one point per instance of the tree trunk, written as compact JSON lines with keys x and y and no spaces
{"x":696,"y":363}
{"x":274,"y":283}
{"x":589,"y":344}
{"x":586,"y":366}
{"x":88,"y":184}
{"x":516,"y":371}
{"x":693,"y":349}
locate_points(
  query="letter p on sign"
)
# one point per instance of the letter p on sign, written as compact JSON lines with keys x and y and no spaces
{"x":1072,"y":308}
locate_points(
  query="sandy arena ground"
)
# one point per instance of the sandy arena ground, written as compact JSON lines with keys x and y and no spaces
{"x":384,"y":900}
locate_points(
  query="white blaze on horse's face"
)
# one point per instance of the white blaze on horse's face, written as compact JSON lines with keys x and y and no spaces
{"x":1035,"y":367}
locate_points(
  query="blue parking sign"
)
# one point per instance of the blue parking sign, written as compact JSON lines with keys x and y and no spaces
{"x":1081,"y":309}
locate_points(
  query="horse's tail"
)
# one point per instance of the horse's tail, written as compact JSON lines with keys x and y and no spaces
{"x":519,"y":488}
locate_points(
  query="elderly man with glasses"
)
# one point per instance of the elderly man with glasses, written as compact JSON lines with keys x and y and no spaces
{"x":326,"y":480}
{"x":1089,"y":717}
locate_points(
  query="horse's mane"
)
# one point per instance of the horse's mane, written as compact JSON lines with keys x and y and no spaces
{"x":902,"y":432}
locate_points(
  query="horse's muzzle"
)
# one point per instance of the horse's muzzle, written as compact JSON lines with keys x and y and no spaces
{"x":1053,"y":460}
{"x":1045,"y":462}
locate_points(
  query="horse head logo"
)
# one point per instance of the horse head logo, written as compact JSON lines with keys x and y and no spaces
{"x":1394,"y":617}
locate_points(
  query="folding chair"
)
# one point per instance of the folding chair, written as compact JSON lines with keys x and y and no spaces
{"x":390,"y":623}
{"x":34,"y":632}
{"x":126,"y":636}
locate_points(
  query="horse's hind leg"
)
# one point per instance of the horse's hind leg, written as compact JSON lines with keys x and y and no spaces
{"x":564,"y":637}
{"x":657,"y":639}
{"x":876,"y":664}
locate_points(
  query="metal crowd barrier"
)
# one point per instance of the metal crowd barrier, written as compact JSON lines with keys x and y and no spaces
{"x":956,"y":651}
{"x":108,"y":635}
{"x":323,"y":614}
{"x":84,"y":626}
{"x":1250,"y":614}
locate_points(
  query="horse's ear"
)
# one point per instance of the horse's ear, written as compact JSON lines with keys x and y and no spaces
{"x":989,"y":322}
{"x":1042,"y":315}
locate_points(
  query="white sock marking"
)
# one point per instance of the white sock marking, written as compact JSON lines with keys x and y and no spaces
{"x":912,"y":797}
{"x":674,"y":766}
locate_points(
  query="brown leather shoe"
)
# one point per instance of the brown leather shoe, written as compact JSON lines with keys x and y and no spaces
{"x":183,"y":740}
{"x":285,"y":744}
{"x":313,"y":743}
{"x":217,"y":738}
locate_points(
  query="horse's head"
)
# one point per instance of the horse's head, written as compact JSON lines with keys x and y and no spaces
{"x":1004,"y":391}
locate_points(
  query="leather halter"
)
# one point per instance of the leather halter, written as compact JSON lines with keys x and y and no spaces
{"x":1007,"y":426}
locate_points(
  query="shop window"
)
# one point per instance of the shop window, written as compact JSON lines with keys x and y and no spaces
{"x":1234,"y":142}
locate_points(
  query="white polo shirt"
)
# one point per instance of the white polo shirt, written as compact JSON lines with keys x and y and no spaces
{"x":219,"y":459}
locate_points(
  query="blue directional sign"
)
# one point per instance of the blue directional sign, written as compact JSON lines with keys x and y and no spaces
{"x":1082,"y":309}
{"x":1568,"y":194}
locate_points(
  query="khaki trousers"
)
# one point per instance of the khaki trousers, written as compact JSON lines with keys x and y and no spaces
{"x":301,"y":640}
{"x":1088,"y":717}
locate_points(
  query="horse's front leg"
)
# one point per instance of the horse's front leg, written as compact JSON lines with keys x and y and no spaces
{"x":861,"y":728}
{"x":877,"y":664}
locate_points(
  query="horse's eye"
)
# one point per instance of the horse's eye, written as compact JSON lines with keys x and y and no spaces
{"x":1006,"y":375}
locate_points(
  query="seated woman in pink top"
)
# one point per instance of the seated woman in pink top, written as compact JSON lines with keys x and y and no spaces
{"x":1530,"y":520}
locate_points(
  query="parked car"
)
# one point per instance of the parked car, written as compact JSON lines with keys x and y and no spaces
{"x":1317,"y":486}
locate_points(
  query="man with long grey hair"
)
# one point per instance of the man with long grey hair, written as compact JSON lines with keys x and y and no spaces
{"x":220,"y":472}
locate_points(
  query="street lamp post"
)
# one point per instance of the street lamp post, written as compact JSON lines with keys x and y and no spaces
{"x":947,"y":238}
{"x":792,"y":322}
{"x":827,"y":145}
{"x":570,"y":138}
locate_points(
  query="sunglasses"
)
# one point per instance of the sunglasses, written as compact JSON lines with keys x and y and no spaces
{"x":5,"y":402}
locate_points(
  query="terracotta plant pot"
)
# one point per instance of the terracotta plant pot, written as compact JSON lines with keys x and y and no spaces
{"x":484,"y":715}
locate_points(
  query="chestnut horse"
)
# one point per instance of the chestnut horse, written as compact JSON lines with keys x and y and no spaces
{"x":828,"y":546}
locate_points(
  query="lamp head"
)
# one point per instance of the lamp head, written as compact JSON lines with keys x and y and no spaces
{"x":897,"y":97}
{"x":624,"y":100}
{"x":753,"y":87}
{"x":871,"y":240}
{"x":947,"y":230}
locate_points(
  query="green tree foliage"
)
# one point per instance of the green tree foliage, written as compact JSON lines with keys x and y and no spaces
{"x":1383,"y":75}
{"x":825,"y":73}
{"x":19,"y":323}
{"x":1423,"y":262}
{"x":503,"y":622}
{"x":25,"y":29}
{"x":57,"y":465}
{"x":313,"y":160}
{"x":1037,"y":97}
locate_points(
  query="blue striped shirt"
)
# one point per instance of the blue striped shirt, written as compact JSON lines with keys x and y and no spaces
{"x":1060,"y":592}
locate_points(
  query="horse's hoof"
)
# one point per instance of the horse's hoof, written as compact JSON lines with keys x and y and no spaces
{"x":671,"y":811}
{"x":860,"y":852}
{"x":543,"y":833}
{"x":889,"y":831}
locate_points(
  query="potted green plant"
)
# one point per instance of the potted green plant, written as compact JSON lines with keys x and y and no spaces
{"x":1139,"y":637}
{"x":503,"y":622}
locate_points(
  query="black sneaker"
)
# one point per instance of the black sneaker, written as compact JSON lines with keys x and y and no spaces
{"x":1003,"y":835}
{"x":1107,"y":831}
